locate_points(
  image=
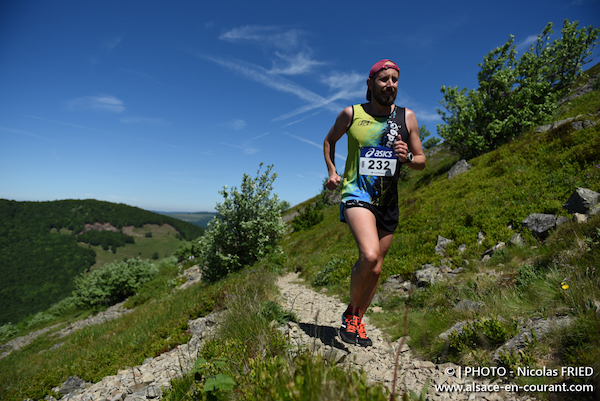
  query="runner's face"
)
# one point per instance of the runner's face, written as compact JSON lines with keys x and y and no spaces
{"x":384,"y":87}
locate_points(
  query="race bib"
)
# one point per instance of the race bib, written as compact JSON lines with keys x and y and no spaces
{"x":377,"y":161}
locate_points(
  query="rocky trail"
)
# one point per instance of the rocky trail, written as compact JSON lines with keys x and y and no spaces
{"x":319,"y":317}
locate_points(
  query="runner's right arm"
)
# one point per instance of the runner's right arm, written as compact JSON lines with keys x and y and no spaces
{"x":342,"y":123}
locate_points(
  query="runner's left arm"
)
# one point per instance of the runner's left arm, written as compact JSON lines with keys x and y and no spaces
{"x":413,"y":144}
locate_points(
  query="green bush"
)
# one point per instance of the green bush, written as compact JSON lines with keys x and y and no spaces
{"x":334,"y":272}
{"x":113,"y":283}
{"x":7,"y":331}
{"x":515,"y":93}
{"x":310,"y":216}
{"x":247,"y":226}
{"x":486,"y":333}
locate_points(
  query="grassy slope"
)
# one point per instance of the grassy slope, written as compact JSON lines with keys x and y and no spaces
{"x":534,"y":174}
{"x":163,"y":242}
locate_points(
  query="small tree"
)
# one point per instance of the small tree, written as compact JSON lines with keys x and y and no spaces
{"x":429,"y":143}
{"x":514,"y":94}
{"x":247,"y":226}
{"x":113,"y":283}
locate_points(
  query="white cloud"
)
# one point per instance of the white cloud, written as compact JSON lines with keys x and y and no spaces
{"x":271,"y":36}
{"x":261,"y":75}
{"x":288,"y":51}
{"x":102,"y":102}
{"x":294,"y":64}
{"x":313,"y":143}
{"x":237,"y":124}
{"x":531,"y":39}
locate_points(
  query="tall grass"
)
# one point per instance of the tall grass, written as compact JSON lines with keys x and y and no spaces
{"x":250,"y":350}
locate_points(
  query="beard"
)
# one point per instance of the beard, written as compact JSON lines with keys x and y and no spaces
{"x":384,"y":98}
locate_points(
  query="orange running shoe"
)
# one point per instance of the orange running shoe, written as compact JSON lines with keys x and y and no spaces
{"x":349,"y":329}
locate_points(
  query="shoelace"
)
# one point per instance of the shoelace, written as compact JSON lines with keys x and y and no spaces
{"x":352,"y":325}
{"x":361,"y":331}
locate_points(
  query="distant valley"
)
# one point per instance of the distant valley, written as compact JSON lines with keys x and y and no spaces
{"x":199,"y":219}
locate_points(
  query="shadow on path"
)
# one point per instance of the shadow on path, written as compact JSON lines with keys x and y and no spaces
{"x":327,"y":334}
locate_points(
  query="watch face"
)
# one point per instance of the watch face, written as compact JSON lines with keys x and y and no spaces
{"x":409,"y":156}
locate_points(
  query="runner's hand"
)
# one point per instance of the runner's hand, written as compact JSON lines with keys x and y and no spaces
{"x":333,"y":182}
{"x":401,"y":150}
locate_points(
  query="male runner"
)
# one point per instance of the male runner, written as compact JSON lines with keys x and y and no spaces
{"x":381,"y":138}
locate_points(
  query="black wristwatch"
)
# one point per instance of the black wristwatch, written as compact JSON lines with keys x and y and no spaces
{"x":409,"y":157}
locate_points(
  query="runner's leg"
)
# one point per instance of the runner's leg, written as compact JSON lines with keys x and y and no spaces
{"x":367,"y":268}
{"x":385,"y":241}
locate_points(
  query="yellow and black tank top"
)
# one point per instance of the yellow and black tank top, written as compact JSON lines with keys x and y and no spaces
{"x":368,"y":134}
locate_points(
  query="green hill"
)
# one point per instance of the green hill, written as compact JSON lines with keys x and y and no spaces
{"x":44,"y":245}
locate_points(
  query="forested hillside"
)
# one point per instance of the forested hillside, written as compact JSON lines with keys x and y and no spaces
{"x":40,"y":251}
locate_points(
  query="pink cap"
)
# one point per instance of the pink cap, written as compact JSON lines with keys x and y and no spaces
{"x":381,"y":65}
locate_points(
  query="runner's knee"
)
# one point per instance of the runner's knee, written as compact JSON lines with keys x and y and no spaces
{"x":370,"y":257}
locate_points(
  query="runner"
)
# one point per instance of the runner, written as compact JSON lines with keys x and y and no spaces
{"x":381,"y":138}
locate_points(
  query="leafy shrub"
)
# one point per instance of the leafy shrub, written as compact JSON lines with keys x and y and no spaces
{"x":310,"y":216}
{"x":247,"y":226}
{"x":187,"y":250}
{"x":515,"y":93}
{"x":527,"y":275}
{"x":7,"y":331}
{"x":485,"y":333}
{"x":113,"y":283}
{"x":333,"y":273}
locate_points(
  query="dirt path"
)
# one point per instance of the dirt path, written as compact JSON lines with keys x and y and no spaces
{"x":319,"y":318}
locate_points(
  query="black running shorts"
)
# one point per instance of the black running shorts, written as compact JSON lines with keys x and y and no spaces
{"x":386,"y":217}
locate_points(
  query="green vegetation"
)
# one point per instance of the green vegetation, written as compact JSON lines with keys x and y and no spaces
{"x":515,"y":93}
{"x":113,"y":283}
{"x":40,"y":255}
{"x":106,"y":239}
{"x":101,"y":350}
{"x":249,"y":355}
{"x":246,"y":228}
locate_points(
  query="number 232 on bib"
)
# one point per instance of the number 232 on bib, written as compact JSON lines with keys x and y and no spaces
{"x":378,"y":161}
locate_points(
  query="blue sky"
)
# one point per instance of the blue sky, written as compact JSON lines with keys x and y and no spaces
{"x":160,"y":104}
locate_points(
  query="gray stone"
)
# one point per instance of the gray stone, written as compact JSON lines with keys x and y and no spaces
{"x":582,"y":200}
{"x":440,"y":247}
{"x":556,"y":124}
{"x":72,"y":383}
{"x":579,"y":125}
{"x":335,"y":355}
{"x":396,"y":283}
{"x":540,"y":223}
{"x":480,"y":238}
{"x":465,"y":305}
{"x":541,"y":327}
{"x":153,"y":392}
{"x":458,"y":168}
{"x":490,"y":252}
{"x":517,"y":240}
{"x":579,"y":218}
{"x":458,"y":327}
{"x":426,"y":276}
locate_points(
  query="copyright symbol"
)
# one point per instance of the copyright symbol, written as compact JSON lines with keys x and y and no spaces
{"x":450,"y":371}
